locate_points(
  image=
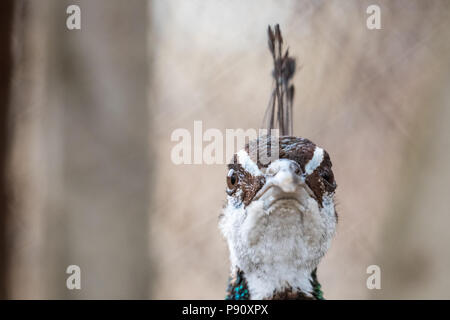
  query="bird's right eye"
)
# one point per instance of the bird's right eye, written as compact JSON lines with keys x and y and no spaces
{"x":232,"y":179}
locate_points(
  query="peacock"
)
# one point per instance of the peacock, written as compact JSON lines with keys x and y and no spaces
{"x":279,"y":218}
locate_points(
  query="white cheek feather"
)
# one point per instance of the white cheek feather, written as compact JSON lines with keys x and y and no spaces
{"x":278,"y":248}
{"x":315,"y":162}
{"x":254,"y":224}
{"x":248,"y":164}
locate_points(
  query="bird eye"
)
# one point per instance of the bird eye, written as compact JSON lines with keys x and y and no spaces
{"x":328,"y":177}
{"x":232,"y":179}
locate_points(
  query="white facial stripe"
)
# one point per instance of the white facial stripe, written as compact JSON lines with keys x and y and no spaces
{"x":315,"y":162}
{"x":248,"y":164}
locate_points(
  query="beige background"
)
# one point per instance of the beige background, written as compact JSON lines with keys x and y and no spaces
{"x":94,"y":111}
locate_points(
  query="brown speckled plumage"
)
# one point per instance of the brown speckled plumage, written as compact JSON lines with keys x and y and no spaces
{"x":301,"y":151}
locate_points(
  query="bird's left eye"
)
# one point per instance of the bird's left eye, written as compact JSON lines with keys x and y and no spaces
{"x":232,"y":179}
{"x":326,"y":176}
{"x":329,"y":179}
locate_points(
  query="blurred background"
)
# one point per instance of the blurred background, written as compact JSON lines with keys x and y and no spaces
{"x":87,"y":115}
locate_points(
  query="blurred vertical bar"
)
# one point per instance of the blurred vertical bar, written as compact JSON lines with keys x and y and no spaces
{"x":27,"y":166}
{"x":97,"y":210}
{"x":81,"y":150}
{"x":6,"y":22}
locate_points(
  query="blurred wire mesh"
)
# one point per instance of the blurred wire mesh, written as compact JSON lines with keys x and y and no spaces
{"x":93,"y":111}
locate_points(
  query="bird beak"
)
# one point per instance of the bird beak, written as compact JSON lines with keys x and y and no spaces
{"x":286,"y":179}
{"x":286,"y":176}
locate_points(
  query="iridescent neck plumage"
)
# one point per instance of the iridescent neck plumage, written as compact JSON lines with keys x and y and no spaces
{"x":238,"y":289}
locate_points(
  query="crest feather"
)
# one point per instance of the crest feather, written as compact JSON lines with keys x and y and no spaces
{"x":279,"y":111}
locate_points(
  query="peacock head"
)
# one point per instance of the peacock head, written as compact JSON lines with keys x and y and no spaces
{"x":279,"y":218}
